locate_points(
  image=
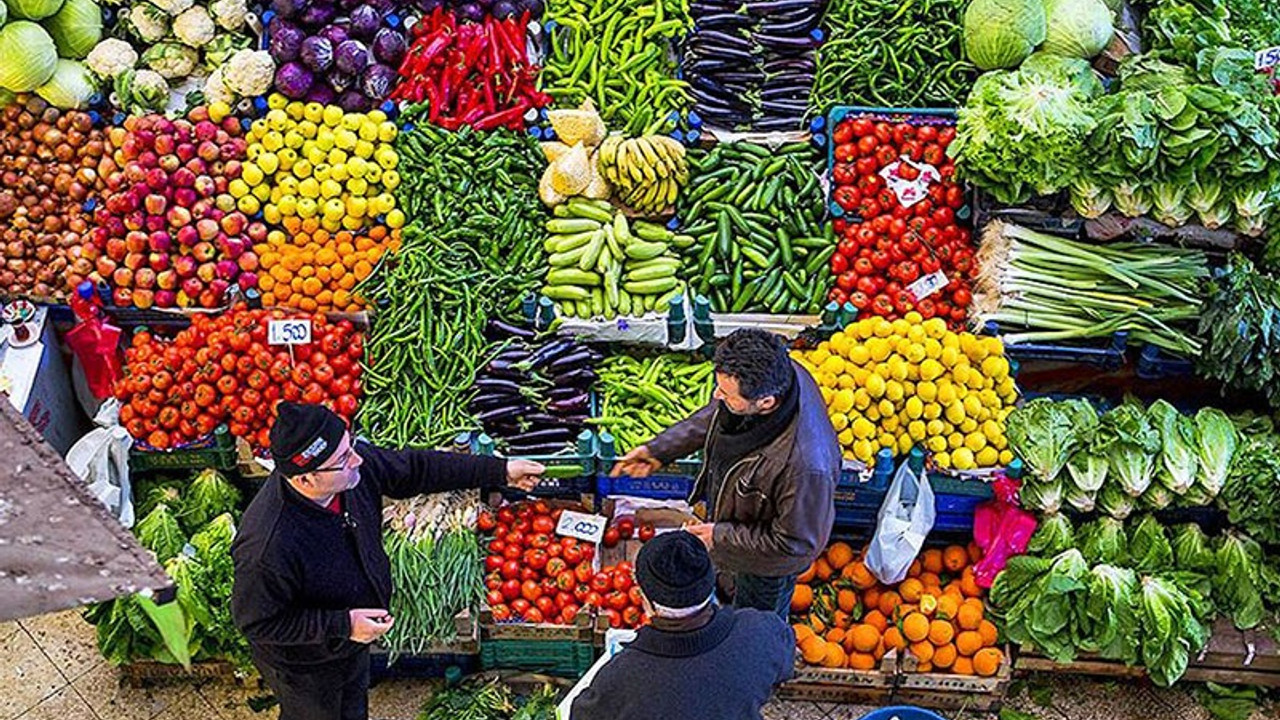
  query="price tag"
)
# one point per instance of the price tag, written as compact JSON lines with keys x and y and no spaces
{"x":927,"y":285}
{"x":588,"y":528}
{"x":288,"y":332}
{"x":910,"y":190}
{"x":1265,"y":59}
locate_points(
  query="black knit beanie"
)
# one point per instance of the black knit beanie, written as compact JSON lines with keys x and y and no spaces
{"x":304,"y":437}
{"x":674,"y":570}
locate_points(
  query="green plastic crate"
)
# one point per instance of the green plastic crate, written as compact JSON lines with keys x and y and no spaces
{"x":562,"y":658}
{"x":219,"y":455}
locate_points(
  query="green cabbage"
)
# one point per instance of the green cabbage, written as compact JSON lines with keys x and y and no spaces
{"x":33,"y":9}
{"x":1002,"y":33}
{"x":76,"y":28}
{"x":1104,"y":541}
{"x":1077,"y":28}
{"x":1215,"y":446}
{"x":27,"y":56}
{"x":71,"y":86}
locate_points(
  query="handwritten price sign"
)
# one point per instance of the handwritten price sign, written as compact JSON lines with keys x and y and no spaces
{"x":289,"y":332}
{"x":1268,"y":58}
{"x":588,"y":528}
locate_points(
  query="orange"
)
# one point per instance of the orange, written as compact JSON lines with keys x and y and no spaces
{"x":970,"y":615}
{"x":835,"y":635}
{"x":975,"y":553}
{"x":889,"y":602}
{"x":857,"y":573}
{"x":915,"y":627}
{"x":948,"y":606}
{"x":816,"y":623}
{"x":847,"y":600}
{"x":862,"y":661}
{"x":930,"y":579}
{"x":813,"y":649}
{"x":865,"y":637}
{"x":839,"y":555}
{"x":987,"y":630}
{"x":841,"y":619}
{"x":962,"y":666}
{"x":987,"y":662}
{"x":877,"y":620}
{"x":968,"y":643}
{"x":871,"y":598}
{"x":880,"y":649}
{"x":924,"y":667}
{"x":941,"y":632}
{"x":802,"y":631}
{"x":955,"y":558}
{"x":945,"y":656}
{"x":807,"y":576}
{"x":821,"y":566}
{"x":835,"y":657}
{"x":969,"y":584}
{"x":911,"y":589}
{"x":801,"y":598}
{"x":914,"y":570}
{"x":893,"y":639}
{"x":932,"y":561}
{"x":923,"y":651}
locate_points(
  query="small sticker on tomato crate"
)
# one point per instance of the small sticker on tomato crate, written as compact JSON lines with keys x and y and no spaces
{"x":910,"y":180}
{"x":927,"y":285}
{"x":289,"y":332}
{"x":588,"y":528}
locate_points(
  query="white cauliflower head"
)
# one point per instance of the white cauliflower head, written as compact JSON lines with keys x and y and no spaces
{"x":149,"y":22}
{"x":249,"y":72}
{"x":216,"y":90}
{"x":194,"y":27}
{"x":111,"y":57}
{"x":229,"y":14}
{"x":174,"y":7}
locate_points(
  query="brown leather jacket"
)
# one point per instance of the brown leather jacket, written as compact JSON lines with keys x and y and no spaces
{"x":775,"y":507}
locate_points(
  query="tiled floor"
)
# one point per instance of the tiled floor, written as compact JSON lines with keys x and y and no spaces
{"x":50,"y":670}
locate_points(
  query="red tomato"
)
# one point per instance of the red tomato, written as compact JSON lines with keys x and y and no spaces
{"x":621,"y":581}
{"x":520,"y":606}
{"x":530,"y":590}
{"x":493,"y":562}
{"x":540,"y":541}
{"x":511,"y":569}
{"x":617,"y":600}
{"x":534,"y":615}
{"x":594,"y":599}
{"x":547,"y":606}
{"x":843,"y":133}
{"x":494,"y":597}
{"x":536,"y":558}
{"x":544,"y":524}
{"x":584,"y":572}
{"x":631,"y":616}
{"x":635,"y":596}
{"x":565,"y":580}
{"x":581,"y":591}
{"x":572,"y":554}
{"x":646,"y":532}
{"x":555,"y":566}
{"x":500,"y":613}
{"x":485,"y":522}
{"x":568,"y":614}
{"x":600,"y":582}
{"x":611,"y":537}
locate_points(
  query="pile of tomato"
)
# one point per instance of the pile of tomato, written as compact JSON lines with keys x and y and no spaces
{"x":536,"y":576}
{"x":886,"y":245}
{"x":222,"y":370}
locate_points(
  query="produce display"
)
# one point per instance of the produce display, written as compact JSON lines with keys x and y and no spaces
{"x":476,"y":74}
{"x":844,"y":618}
{"x":1239,"y":335}
{"x":1249,"y":492}
{"x":894,"y":384}
{"x":666,"y":388}
{"x":742,"y":259}
{"x":42,"y":46}
{"x":165,"y":234}
{"x":317,"y":161}
{"x":618,"y":55}
{"x":221,"y":370}
{"x":488,"y":700}
{"x":316,"y":270}
{"x":50,"y":163}
{"x":907,"y":249}
{"x":751,"y":65}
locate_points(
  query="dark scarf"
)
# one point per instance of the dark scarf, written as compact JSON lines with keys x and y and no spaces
{"x":739,"y":435}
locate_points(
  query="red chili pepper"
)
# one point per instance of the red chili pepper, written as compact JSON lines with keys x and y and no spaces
{"x":504,"y":118}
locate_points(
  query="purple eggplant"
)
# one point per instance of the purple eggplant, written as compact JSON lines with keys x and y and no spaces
{"x":496,"y":329}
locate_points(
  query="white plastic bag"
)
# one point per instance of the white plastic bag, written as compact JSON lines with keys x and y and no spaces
{"x":905,"y":519}
{"x":101,"y":459}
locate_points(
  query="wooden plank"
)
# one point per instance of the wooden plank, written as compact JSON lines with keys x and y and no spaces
{"x":146,"y":673}
{"x":852,"y":694}
{"x":948,"y":700}
{"x":1107,"y":668}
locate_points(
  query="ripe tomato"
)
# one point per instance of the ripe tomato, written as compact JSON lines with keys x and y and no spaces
{"x":565,"y":580}
{"x":601,"y":582}
{"x":501,"y":613}
{"x":345,"y":405}
{"x":621,"y":581}
{"x":534,"y":615}
{"x":494,"y":597}
{"x":546,"y":606}
{"x":493,"y":562}
{"x":511,"y":569}
{"x":611,"y":537}
{"x":530,"y":590}
{"x":583,"y":572}
{"x":635,"y":596}
{"x":646,"y":532}
{"x":520,"y":606}
{"x":568,"y":614}
{"x":617,"y":600}
{"x":631,"y":616}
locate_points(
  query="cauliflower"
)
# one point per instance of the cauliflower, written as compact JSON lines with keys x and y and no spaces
{"x":141,"y":91}
{"x":111,"y":57}
{"x":171,"y":59}
{"x":174,"y":7}
{"x":249,"y":72}
{"x":149,"y":22}
{"x":222,"y":48}
{"x":229,"y":14}
{"x":215,"y":90}
{"x":194,"y":27}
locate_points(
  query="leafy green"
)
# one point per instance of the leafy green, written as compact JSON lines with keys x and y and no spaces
{"x":209,"y":495}
{"x":1104,"y":541}
{"x":1110,"y":627}
{"x":1002,"y":33}
{"x":1149,"y":548}
{"x":1251,"y":494}
{"x":1240,"y":325}
{"x":1169,"y":616}
{"x":1255,"y":24}
{"x":1215,"y":446}
{"x":1182,"y":28}
{"x":1041,"y":496}
{"x":1132,"y":453}
{"x":1077,"y":28}
{"x":1115,"y":502}
{"x":1228,"y":703}
{"x":160,"y":533}
{"x":1237,"y":588}
{"x":1042,"y":432}
{"x":1046,"y":611}
{"x":1157,"y":497}
{"x":1191,"y":549}
{"x":1054,"y":535}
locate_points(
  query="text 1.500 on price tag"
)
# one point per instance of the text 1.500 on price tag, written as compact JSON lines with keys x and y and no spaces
{"x":288,"y":332}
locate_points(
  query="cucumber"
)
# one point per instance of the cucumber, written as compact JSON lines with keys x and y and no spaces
{"x":650,"y":287}
{"x":592,"y":253}
{"x":565,"y":226}
{"x":573,"y":276}
{"x":567,"y":259}
{"x":653,"y":272}
{"x":566,"y":292}
{"x":651,"y":232}
{"x":640,"y":250}
{"x":565,"y":243}
{"x":585,"y":209}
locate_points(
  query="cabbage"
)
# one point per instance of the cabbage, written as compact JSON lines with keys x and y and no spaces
{"x":1237,"y":582}
{"x":1077,"y":28}
{"x":33,"y":9}
{"x":76,"y":28}
{"x":27,"y":56}
{"x":1002,"y":33}
{"x":71,"y":86}
{"x":159,"y":532}
{"x":1132,"y":453}
{"x":1115,"y":502}
{"x":1041,"y":496}
{"x":1082,"y":500}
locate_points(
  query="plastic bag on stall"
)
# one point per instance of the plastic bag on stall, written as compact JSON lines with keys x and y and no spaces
{"x":1001,"y":529}
{"x":101,"y":459}
{"x":905,"y":519}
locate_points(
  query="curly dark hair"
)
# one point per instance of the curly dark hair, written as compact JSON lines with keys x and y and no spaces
{"x":758,"y":360}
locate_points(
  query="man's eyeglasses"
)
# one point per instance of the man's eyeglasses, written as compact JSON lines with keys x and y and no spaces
{"x":342,"y":464}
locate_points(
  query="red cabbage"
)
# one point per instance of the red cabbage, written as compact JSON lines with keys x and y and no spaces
{"x":351,"y":56}
{"x":533,"y":7}
{"x":317,"y":53}
{"x":364,"y":22}
{"x":286,"y":8}
{"x":293,"y":80}
{"x":319,"y":13}
{"x":376,"y":81}
{"x":340,"y":81}
{"x":353,"y":101}
{"x":471,"y":11}
{"x":429,"y":6}
{"x":389,"y":46}
{"x":286,"y":41}
{"x":321,"y":93}
{"x":503,"y":10}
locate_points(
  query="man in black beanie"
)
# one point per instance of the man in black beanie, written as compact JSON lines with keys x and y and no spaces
{"x":695,"y":659}
{"x":312,"y":581}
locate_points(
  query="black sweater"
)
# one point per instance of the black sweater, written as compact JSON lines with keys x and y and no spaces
{"x":299,"y":567}
{"x":724,"y":670}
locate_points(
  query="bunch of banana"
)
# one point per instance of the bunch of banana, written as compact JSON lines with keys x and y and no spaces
{"x":646,"y":172}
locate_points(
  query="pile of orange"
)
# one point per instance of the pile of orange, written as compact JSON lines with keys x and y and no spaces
{"x":309,"y":268}
{"x":844,"y":618}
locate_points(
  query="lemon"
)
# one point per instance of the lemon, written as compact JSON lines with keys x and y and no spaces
{"x":955,"y":440}
{"x":995,"y":367}
{"x":883,"y":370}
{"x":935,"y":427}
{"x":833,"y":365}
{"x":886,"y":408}
{"x":294,"y":110}
{"x":987,"y":457}
{"x":879,"y":349}
{"x":905,"y":443}
{"x":936,"y":444}
{"x":845,"y":437}
{"x":863,"y":428}
{"x":881,"y":328}
{"x":887,"y":441}
{"x":864,"y":450}
{"x":395,"y":219}
{"x":932,"y":349}
{"x":839,"y":421}
{"x":927,"y":391}
{"x":861,"y":399}
{"x":950,"y":355}
{"x":843,"y":401}
{"x":915,"y":407}
{"x":872,"y":413}
{"x":932,"y":411}
{"x":960,"y":374}
{"x":875,"y":386}
{"x":383,"y":203}
{"x":307,"y":208}
{"x":972,"y":405}
{"x":898,"y":368}
{"x":1006,"y":457}
{"x":846,"y":381}
{"x":916,"y":429}
{"x":900,"y":327}
{"x":955,"y":413}
{"x":865,"y":329}
{"x":946,"y":392}
{"x":894,"y":391}
{"x":827,"y":394}
{"x":962,"y":459}
{"x":942,"y":459}
{"x":365,"y":149}
{"x":975,"y":441}
{"x":916,"y":352}
{"x":931,"y":369}
{"x":890,"y":423}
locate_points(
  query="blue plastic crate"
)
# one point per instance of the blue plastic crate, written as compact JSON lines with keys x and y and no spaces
{"x":654,"y":487}
{"x":1106,"y":354}
{"x":422,"y":666}
{"x":1155,"y":364}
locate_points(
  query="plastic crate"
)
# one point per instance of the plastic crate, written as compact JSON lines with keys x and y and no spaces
{"x":1155,"y":364}
{"x":583,"y":457}
{"x":550,"y":657}
{"x":218,"y":452}
{"x":432,"y":665}
{"x":1106,"y":354}
{"x":902,"y":712}
{"x":654,"y":487}
{"x":913,"y":116}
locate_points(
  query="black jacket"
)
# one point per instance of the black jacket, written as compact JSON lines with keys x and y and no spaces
{"x":299,"y":567}
{"x":724,"y":670}
{"x":775,"y":506}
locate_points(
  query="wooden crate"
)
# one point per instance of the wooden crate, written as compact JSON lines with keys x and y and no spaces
{"x":840,"y":685}
{"x":586,"y":625}
{"x":148,"y":673}
{"x":947,"y":691}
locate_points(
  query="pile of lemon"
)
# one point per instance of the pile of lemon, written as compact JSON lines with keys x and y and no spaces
{"x":309,"y":160}
{"x":895,"y":384}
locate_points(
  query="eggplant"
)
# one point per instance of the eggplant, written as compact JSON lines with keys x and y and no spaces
{"x":563,"y":393}
{"x":489,"y":401}
{"x":778,"y":6}
{"x":540,"y":419}
{"x":496,"y":329}
{"x":498,"y":414}
{"x":553,"y":448}
{"x":575,"y":404}
{"x":549,"y":352}
{"x":582,"y":357}
{"x":746,"y":77}
{"x":577,"y":378}
{"x":778,"y":41}
{"x":537,"y":437}
{"x":487,"y":385}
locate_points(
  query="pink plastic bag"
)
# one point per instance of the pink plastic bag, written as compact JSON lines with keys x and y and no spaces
{"x":1001,"y":529}
{"x":95,"y":342}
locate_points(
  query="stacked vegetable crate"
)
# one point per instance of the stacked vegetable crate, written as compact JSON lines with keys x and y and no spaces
{"x":218,"y":452}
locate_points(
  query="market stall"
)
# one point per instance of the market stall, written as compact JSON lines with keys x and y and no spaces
{"x":1026,"y":249}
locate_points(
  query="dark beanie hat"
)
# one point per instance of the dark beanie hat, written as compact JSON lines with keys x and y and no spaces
{"x":674,"y":570}
{"x":304,"y":437}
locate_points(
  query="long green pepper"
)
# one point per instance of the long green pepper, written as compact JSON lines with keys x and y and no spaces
{"x":641,"y":397}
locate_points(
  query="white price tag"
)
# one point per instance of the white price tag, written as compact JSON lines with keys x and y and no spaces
{"x":927,"y":285}
{"x":910,"y":191}
{"x":288,"y":332}
{"x":588,"y":528}
{"x":1265,"y":59}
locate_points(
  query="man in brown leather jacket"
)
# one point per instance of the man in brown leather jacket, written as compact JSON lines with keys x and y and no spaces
{"x":770,"y":465}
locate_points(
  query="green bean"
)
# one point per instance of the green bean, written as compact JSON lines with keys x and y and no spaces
{"x":640,"y":397}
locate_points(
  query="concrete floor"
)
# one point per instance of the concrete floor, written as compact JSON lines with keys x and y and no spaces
{"x":50,"y":670}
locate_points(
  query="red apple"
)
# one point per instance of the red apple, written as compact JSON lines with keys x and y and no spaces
{"x":167,"y":280}
{"x":158,"y":261}
{"x":145,"y":278}
{"x":122,"y":277}
{"x":207,"y":271}
{"x":192,"y":287}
